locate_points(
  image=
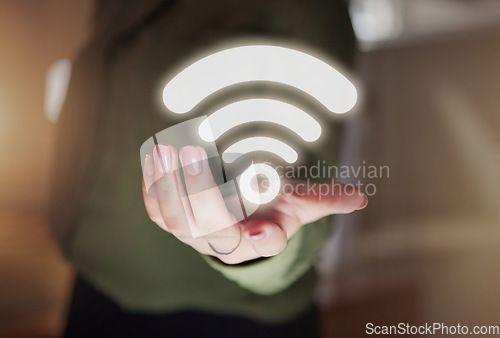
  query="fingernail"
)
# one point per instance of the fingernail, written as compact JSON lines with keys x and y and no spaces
{"x":191,"y":160}
{"x":163,"y":154}
{"x":149,"y":169}
{"x":257,"y":235}
{"x":365,"y":203}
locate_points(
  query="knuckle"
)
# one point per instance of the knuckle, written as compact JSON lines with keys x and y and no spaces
{"x":164,"y":184}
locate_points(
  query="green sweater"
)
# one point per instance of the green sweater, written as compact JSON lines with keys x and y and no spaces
{"x":114,"y":104}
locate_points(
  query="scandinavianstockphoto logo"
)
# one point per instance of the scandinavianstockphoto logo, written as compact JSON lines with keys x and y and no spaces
{"x":361,"y":176}
{"x":238,"y":172}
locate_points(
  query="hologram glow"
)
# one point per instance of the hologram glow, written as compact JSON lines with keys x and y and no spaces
{"x":259,"y":63}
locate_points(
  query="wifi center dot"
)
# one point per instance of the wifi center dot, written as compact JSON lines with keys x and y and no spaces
{"x":260,"y":183}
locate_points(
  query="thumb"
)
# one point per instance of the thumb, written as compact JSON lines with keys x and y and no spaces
{"x":312,"y":201}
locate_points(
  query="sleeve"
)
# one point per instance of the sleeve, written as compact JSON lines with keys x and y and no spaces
{"x":271,"y":275}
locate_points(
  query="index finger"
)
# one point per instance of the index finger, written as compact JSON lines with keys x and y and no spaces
{"x":317,"y":200}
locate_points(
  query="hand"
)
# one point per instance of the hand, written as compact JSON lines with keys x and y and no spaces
{"x":265,"y":233}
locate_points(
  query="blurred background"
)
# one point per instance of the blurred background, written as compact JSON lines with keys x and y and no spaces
{"x":424,"y":250}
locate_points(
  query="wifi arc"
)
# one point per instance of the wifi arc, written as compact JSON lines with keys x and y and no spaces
{"x":260,"y":110}
{"x":259,"y":63}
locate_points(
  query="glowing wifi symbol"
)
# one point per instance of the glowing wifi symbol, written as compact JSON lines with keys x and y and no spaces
{"x":259,"y":63}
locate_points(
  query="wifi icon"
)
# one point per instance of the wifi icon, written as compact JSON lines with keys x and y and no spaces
{"x":254,"y":64}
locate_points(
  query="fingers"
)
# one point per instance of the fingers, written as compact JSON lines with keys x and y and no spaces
{"x":149,"y":171}
{"x":169,"y":206}
{"x":208,"y":206}
{"x":319,"y":200}
{"x":305,"y":204}
{"x":172,"y":209}
{"x":169,"y":191}
{"x":152,"y":208}
{"x":202,"y":212}
{"x":149,"y":194}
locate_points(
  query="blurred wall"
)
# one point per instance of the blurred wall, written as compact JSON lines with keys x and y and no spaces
{"x":432,"y":116}
{"x":33,"y":277}
{"x":33,"y":34}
